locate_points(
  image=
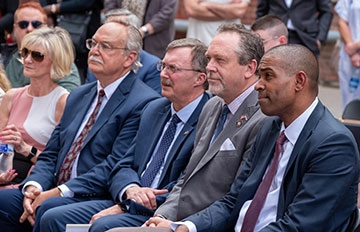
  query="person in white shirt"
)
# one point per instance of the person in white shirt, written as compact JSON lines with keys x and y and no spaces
{"x":206,"y":16}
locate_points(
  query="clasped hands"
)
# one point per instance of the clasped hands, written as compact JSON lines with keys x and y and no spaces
{"x":33,"y":197}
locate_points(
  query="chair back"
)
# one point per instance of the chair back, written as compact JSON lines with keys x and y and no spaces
{"x":352,"y":110}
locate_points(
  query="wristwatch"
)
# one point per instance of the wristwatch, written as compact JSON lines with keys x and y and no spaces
{"x":32,"y":153}
{"x":123,"y":207}
{"x":144,"y":31}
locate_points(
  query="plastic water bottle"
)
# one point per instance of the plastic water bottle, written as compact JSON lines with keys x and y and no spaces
{"x":6,"y":157}
{"x":354,"y":81}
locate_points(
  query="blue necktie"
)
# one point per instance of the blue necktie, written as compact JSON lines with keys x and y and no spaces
{"x":220,"y":125}
{"x":157,"y":160}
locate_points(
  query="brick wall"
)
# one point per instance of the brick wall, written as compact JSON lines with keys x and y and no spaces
{"x":328,"y":73}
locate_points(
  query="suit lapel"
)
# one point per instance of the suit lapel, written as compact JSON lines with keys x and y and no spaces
{"x":305,"y":134}
{"x":116,"y":100}
{"x":239,"y":120}
{"x":85,"y":104}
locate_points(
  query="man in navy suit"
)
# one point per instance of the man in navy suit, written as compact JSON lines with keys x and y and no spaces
{"x":113,"y":57}
{"x":183,"y":80}
{"x":314,"y":187}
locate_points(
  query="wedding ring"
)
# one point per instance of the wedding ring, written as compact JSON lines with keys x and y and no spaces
{"x":15,"y":138}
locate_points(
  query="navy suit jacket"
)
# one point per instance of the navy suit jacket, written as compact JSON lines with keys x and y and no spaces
{"x":116,"y":124}
{"x":155,"y":116}
{"x":319,"y":189}
{"x":311,"y":18}
{"x":148,"y":73}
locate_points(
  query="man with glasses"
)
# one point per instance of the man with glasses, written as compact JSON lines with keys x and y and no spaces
{"x":27,"y":18}
{"x":148,"y":72}
{"x":159,"y":153}
{"x":99,"y":122}
{"x":271,"y":30}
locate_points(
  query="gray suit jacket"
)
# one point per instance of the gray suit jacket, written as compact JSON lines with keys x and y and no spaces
{"x":212,"y":169}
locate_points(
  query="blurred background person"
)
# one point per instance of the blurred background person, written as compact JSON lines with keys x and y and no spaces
{"x":29,"y":114}
{"x":158,"y":21}
{"x":55,"y":8}
{"x":272,"y":31}
{"x":7,"y":44}
{"x":28,"y":17}
{"x":349,"y":62}
{"x":206,"y":16}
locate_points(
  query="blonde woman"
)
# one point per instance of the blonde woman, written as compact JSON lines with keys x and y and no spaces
{"x":29,"y":114}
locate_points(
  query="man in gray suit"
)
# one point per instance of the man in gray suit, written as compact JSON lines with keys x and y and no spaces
{"x":308,"y":21}
{"x":233,"y":57}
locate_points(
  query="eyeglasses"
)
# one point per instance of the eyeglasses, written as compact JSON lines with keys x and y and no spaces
{"x":90,"y":44}
{"x":37,"y":56}
{"x":24,"y":24}
{"x":172,"y":68}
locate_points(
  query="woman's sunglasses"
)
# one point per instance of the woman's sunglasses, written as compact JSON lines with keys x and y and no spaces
{"x":24,"y":24}
{"x":37,"y":56}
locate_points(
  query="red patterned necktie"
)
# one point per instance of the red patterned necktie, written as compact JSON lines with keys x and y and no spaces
{"x":257,"y":203}
{"x":65,"y":170}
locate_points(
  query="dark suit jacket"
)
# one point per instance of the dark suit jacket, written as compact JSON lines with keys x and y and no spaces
{"x":116,"y":124}
{"x":212,"y":168}
{"x":148,"y":73}
{"x":80,"y":6}
{"x":319,"y":189}
{"x":161,"y":15}
{"x":311,"y":18}
{"x":153,"y":120}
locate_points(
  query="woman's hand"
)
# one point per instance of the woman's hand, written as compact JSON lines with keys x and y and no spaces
{"x":11,"y":135}
{"x":7,"y":176}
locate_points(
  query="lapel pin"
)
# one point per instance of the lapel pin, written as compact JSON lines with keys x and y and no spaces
{"x":186,"y":132}
{"x":241,"y":120}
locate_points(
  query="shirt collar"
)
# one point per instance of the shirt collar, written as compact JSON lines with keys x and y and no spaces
{"x":293,"y":131}
{"x":185,"y":113}
{"x":236,"y":103}
{"x":110,"y":89}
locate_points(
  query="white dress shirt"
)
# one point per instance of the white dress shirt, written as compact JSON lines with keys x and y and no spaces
{"x":289,"y":24}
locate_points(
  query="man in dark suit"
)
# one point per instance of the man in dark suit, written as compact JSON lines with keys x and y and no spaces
{"x":233,"y":57}
{"x":308,"y":21}
{"x":184,"y":83}
{"x":57,"y":179}
{"x":310,"y":182}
